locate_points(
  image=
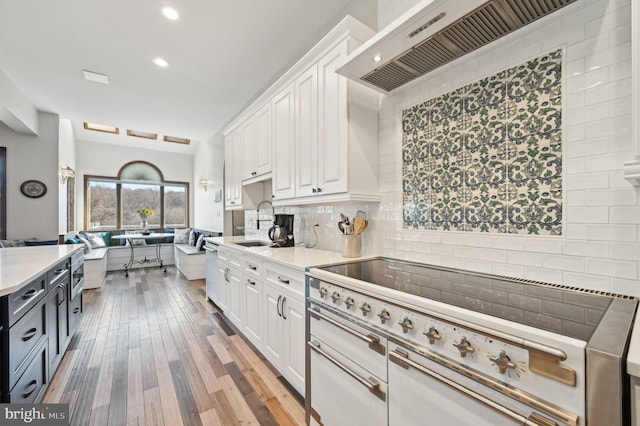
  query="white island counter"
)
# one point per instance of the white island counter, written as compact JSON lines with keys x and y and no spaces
{"x":21,"y":265}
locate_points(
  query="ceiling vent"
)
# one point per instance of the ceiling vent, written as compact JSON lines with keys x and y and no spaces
{"x":435,"y":33}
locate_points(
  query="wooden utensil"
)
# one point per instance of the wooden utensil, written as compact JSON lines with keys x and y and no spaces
{"x":359,"y":225}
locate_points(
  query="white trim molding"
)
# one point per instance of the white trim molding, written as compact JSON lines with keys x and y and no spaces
{"x":632,"y":168}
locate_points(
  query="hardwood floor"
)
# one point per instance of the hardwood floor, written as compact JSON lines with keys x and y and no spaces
{"x":152,"y":351}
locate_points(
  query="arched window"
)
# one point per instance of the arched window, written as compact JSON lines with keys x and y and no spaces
{"x":112,"y":202}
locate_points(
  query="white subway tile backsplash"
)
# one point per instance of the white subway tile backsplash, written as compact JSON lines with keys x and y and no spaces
{"x":612,"y":268}
{"x":588,"y":214}
{"x":625,"y":251}
{"x":622,"y":286}
{"x":524,"y":258}
{"x":593,"y":282}
{"x":543,"y":275}
{"x":600,"y":230}
{"x":587,"y":181}
{"x":564,"y":263}
{"x":514,"y":271}
{"x":585,"y":248}
{"x":620,"y":233}
{"x":587,"y":147}
{"x":612,"y":197}
{"x":543,"y":245}
{"x":628,"y":215}
{"x":575,"y":198}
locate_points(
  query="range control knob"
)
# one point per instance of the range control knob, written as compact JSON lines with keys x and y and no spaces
{"x":503,"y":362}
{"x":335,"y":296}
{"x":406,"y":325}
{"x":365,"y":308}
{"x":323,"y":292}
{"x":464,"y":347}
{"x":384,"y":316}
{"x":349,"y":302}
{"x":432,"y":334}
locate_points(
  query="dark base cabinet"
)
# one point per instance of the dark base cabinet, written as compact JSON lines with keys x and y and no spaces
{"x":36,"y":326}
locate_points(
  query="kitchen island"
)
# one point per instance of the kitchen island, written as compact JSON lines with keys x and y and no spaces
{"x":40,"y":309}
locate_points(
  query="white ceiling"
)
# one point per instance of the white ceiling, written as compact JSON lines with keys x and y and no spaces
{"x":222,"y":54}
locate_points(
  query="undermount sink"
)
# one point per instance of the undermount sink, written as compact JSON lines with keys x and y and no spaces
{"x":252,"y":243}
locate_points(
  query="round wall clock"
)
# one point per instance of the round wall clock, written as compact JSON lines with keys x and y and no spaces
{"x":33,"y":188}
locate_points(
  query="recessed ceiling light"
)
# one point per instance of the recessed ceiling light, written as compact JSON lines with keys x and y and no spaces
{"x":139,"y":134}
{"x":161,"y":62}
{"x":96,"y":77}
{"x":170,"y":13}
{"x":377,"y":58}
{"x":177,"y":140}
{"x":101,"y":128}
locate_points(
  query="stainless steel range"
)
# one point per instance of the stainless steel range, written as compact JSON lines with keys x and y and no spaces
{"x":398,"y":343}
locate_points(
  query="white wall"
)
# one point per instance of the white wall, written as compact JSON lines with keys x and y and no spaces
{"x":208,"y":162}
{"x":66,"y":158}
{"x":600,"y":248}
{"x":100,"y":159}
{"x":32,"y":157}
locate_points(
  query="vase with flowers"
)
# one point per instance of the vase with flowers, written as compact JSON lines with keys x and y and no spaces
{"x":144,"y":215}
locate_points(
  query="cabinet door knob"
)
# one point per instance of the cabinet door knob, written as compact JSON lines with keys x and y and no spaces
{"x":313,"y":190}
{"x":318,"y":189}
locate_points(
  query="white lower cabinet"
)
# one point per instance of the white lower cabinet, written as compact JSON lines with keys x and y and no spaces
{"x":266,"y":302}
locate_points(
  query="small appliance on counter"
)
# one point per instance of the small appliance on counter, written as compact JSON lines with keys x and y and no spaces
{"x":281,"y":233}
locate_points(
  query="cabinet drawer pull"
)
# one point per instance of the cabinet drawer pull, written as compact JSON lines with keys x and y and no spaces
{"x":252,"y":266}
{"x":282,"y":280}
{"x":31,"y":388}
{"x":251,"y":282}
{"x":371,"y":339}
{"x":29,"y":334}
{"x":29,"y":294}
{"x":370,"y":383}
{"x":76,"y":310}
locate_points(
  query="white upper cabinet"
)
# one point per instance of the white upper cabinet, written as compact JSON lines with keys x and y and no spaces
{"x":263,"y":148}
{"x":232,"y":169}
{"x":306,"y":130}
{"x":283,"y":184}
{"x":248,"y":161}
{"x":323,"y":145}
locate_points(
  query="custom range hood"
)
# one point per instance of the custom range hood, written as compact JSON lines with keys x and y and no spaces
{"x":436,"y":32}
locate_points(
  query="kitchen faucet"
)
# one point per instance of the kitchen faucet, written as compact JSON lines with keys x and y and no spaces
{"x":258,"y":220}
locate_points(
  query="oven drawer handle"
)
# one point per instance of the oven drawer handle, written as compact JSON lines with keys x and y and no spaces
{"x":402,"y":359}
{"x":371,"y":339}
{"x":372,"y":384}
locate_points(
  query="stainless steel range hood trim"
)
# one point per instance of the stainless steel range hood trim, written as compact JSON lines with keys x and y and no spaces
{"x":436,"y":32}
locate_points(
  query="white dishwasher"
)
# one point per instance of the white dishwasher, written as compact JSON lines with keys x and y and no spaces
{"x":213,"y":291}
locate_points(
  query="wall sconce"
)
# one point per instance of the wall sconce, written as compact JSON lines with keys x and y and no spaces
{"x":66,"y":173}
{"x":204,"y":183}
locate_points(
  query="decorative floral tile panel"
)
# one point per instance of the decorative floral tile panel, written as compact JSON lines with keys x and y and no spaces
{"x":488,"y":157}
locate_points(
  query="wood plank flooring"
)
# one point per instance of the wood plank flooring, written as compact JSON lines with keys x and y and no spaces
{"x":152,"y":351}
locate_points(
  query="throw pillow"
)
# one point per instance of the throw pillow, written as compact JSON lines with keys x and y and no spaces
{"x":182,"y":236}
{"x":84,"y":240}
{"x":169,"y":240}
{"x":200,"y":243}
{"x":192,"y":237}
{"x":96,"y":240}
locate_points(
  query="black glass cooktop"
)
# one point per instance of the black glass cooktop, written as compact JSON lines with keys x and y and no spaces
{"x":558,"y":309}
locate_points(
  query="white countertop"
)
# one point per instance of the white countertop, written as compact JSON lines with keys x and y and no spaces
{"x":21,"y":265}
{"x":298,"y":257}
